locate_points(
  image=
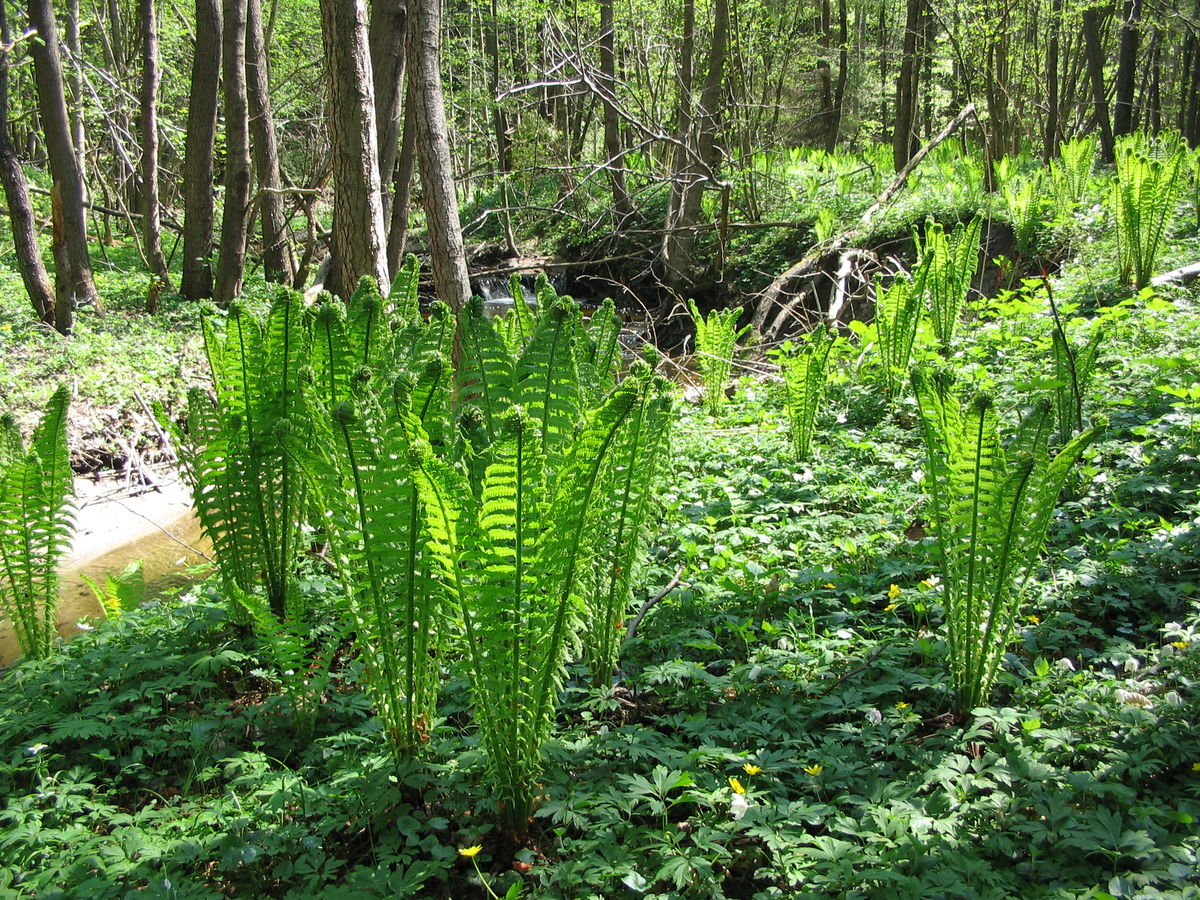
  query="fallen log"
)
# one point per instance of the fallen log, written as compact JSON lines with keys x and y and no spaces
{"x":1183,"y":275}
{"x":772,"y":298}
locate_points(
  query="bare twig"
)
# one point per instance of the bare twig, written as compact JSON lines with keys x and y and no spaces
{"x":654,"y":601}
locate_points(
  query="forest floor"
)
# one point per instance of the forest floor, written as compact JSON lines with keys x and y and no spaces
{"x":801,"y":654}
{"x":796,"y":659}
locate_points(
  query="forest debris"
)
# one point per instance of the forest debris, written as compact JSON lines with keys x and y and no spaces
{"x":773,"y":297}
{"x":1182,"y":275}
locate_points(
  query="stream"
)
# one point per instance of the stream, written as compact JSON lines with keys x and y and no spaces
{"x":112,"y":530}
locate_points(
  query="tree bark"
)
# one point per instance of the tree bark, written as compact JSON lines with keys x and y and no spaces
{"x":197,"y":280}
{"x":904,"y":133}
{"x":74,"y":285}
{"x":151,"y":223}
{"x":389,"y":19}
{"x":75,"y":81}
{"x":231,"y":263}
{"x":433,"y":150}
{"x":1189,"y":112}
{"x":279,"y":265}
{"x":358,"y":245}
{"x":1094,"y":53}
{"x":1127,"y":51}
{"x":834,"y":127}
{"x":20,"y":208}
{"x":615,"y":169}
{"x":397,"y":239}
{"x":1050,"y":134}
{"x":701,"y":159}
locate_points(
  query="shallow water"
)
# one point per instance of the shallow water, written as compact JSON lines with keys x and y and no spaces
{"x":169,"y":562}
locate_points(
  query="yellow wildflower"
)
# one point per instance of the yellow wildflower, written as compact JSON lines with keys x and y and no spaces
{"x":830,"y":585}
{"x":470,"y":852}
{"x":814,"y":770}
{"x":893,"y":592}
{"x":751,"y":769}
{"x":890,"y":607}
{"x":736,"y":786}
{"x":901,"y":705}
{"x":1033,"y":620}
{"x":1179,"y":645}
{"x":1196,"y":767}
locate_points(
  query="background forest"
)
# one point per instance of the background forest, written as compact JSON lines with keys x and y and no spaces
{"x":842,"y":540}
{"x":661,"y":138}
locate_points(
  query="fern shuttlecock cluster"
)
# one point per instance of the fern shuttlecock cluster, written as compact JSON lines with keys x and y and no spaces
{"x":991,"y":506}
{"x":716,"y":341}
{"x":898,"y":310}
{"x":495,"y":514}
{"x":952,"y":260}
{"x":1143,"y":199}
{"x":805,"y":369}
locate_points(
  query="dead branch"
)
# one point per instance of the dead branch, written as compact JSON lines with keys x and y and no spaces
{"x":773,"y":296}
{"x":652,"y":602}
{"x":1183,"y":275}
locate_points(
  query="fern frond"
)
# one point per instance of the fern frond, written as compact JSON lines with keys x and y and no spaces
{"x":368,"y":331}
{"x":486,"y":374}
{"x":950,"y":261}
{"x":403,"y":293}
{"x":35,"y":525}
{"x":898,"y":310}
{"x":991,"y":509}
{"x":622,"y":513}
{"x":804,"y":374}
{"x":547,"y":381}
{"x":600,"y":360}
{"x":716,"y":341}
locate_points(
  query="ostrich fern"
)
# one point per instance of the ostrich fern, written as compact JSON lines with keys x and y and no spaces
{"x":991,"y":507}
{"x":804,"y":372}
{"x":716,"y":341}
{"x":898,"y":308}
{"x":952,"y":260}
{"x":35,"y":524}
{"x":1143,"y":199}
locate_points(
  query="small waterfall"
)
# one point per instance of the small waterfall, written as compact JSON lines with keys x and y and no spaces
{"x":497,"y":296}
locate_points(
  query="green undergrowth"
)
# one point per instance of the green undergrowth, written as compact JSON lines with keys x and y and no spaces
{"x":110,"y":359}
{"x":781,"y":723}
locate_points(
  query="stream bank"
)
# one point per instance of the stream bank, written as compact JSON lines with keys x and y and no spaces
{"x":115,"y":526}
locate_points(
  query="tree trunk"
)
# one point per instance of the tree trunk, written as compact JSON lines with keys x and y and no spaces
{"x":151,"y":224}
{"x":74,"y":285}
{"x":433,"y":150}
{"x":397,"y":239}
{"x":389,"y":19}
{"x":358,"y":241}
{"x":1127,"y":50}
{"x":833,"y":131}
{"x":75,"y":81}
{"x":1050,"y":135}
{"x":683,"y":117}
{"x":278,"y":263}
{"x":701,"y":159}
{"x":20,"y":209}
{"x":904,"y":133}
{"x":491,"y":43}
{"x":1095,"y":66}
{"x":1189,"y":111}
{"x":231,"y":263}
{"x":197,"y":280}
{"x":615,"y":168}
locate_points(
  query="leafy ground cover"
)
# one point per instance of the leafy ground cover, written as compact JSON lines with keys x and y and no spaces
{"x":781,"y":725}
{"x":780,"y":728}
